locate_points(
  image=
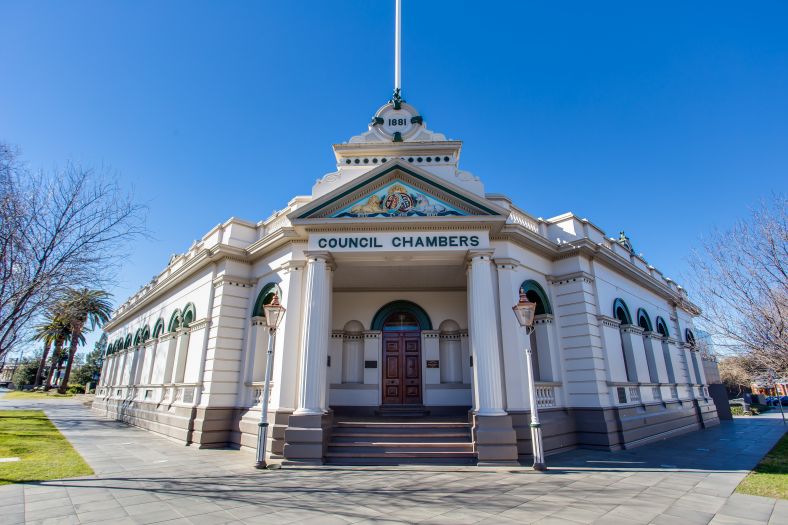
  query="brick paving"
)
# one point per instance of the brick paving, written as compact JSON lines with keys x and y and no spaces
{"x":142,"y":477}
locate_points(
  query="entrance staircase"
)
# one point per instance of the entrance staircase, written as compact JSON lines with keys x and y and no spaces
{"x":397,"y":440}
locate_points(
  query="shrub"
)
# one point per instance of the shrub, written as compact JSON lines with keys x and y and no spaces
{"x":75,"y":389}
{"x":25,"y":374}
{"x":737,"y":410}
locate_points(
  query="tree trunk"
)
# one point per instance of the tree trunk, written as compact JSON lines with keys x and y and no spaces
{"x":75,"y":334}
{"x":42,"y":364}
{"x":54,"y":366}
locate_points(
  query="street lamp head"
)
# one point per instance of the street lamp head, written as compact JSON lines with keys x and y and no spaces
{"x":274,"y":312}
{"x":524,"y":310}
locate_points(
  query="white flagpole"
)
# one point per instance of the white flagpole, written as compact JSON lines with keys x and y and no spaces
{"x":397,"y":45}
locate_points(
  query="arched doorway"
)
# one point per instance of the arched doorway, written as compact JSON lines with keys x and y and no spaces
{"x":401,"y":323}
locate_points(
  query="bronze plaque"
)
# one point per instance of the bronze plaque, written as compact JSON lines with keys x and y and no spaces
{"x":433,"y":364}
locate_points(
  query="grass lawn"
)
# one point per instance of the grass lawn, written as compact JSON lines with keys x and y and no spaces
{"x":18,"y":394}
{"x":770,"y":476}
{"x":43,"y":451}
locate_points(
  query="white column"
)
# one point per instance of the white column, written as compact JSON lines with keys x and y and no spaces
{"x":259,"y":350}
{"x":152,"y":361}
{"x":485,"y":346}
{"x":180,"y":356}
{"x":317,"y":324}
{"x":104,"y":369}
{"x":287,"y":344}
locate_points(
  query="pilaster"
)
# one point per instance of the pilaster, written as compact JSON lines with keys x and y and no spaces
{"x":305,"y":434}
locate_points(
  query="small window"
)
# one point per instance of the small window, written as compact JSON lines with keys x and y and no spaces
{"x":622,"y":394}
{"x":401,"y":322}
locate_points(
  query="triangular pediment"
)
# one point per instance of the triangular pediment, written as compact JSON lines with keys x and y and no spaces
{"x":397,"y":189}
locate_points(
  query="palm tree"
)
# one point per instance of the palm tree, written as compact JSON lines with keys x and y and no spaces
{"x":53,"y":327}
{"x":83,"y":306}
{"x":61,"y":335}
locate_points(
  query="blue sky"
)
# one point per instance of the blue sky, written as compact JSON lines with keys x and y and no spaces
{"x":664,"y":119}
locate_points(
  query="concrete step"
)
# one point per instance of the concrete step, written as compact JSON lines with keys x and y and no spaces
{"x":462,"y":437}
{"x":400,"y":440}
{"x":351,"y":460}
{"x":382,"y":446}
{"x":445,"y":454}
{"x":410,"y":425}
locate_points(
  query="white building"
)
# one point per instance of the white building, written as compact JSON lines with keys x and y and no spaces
{"x":398,"y":274}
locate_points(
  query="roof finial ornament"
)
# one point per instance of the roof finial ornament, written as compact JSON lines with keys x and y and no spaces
{"x":397,"y":97}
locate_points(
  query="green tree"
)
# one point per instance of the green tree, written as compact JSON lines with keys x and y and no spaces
{"x":91,"y":369}
{"x":83,"y":306}
{"x":25,"y":373}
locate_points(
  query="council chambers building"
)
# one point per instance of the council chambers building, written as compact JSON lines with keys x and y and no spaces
{"x":398,"y":274}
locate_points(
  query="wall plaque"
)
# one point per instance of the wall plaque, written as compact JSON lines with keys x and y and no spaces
{"x":433,"y":364}
{"x":370,"y":364}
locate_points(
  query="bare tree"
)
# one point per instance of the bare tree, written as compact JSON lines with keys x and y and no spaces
{"x":740,"y":280}
{"x":737,"y":373}
{"x":62,"y":230}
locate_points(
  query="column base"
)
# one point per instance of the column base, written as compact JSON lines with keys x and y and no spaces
{"x":305,"y":439}
{"x":495,"y":440}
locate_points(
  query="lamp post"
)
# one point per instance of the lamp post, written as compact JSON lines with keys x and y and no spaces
{"x":524,"y":310}
{"x":273,"y":316}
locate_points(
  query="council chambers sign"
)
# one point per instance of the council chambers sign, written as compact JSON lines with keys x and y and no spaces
{"x":400,"y":241}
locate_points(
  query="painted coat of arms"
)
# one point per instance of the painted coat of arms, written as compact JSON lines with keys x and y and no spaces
{"x":399,"y":200}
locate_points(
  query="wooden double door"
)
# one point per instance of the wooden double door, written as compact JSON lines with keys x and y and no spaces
{"x":402,"y":368}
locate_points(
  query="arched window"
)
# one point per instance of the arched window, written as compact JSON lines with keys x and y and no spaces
{"x":175,"y":321}
{"x":662,"y":327}
{"x":401,"y":321}
{"x":145,"y":335}
{"x":644,"y":321}
{"x":127,"y":342}
{"x":621,"y":312}
{"x":539,"y":339}
{"x":158,"y":328}
{"x":353,"y":353}
{"x":137,"y":337}
{"x":265,"y":297}
{"x":690,"y":338}
{"x":188,"y":315}
{"x":414,"y":315}
{"x":536,"y":294}
{"x":450,"y":348}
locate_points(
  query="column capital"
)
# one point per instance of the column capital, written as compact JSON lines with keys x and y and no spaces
{"x":506,"y":263}
{"x":480,"y":254}
{"x":322,"y":255}
{"x":292,"y":265}
{"x":258,"y":320}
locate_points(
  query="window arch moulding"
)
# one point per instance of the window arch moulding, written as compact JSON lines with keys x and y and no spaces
{"x":158,"y":328}
{"x":536,"y":294}
{"x":175,"y":321}
{"x":265,"y":297}
{"x":405,"y":306}
{"x":621,"y":312}
{"x":644,"y":321}
{"x":662,"y":327}
{"x":188,"y":315}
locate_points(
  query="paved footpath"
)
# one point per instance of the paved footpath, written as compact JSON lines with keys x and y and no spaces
{"x":142,"y":477}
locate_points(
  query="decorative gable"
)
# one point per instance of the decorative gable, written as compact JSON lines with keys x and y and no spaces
{"x":399,"y":199}
{"x":397,"y":190}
